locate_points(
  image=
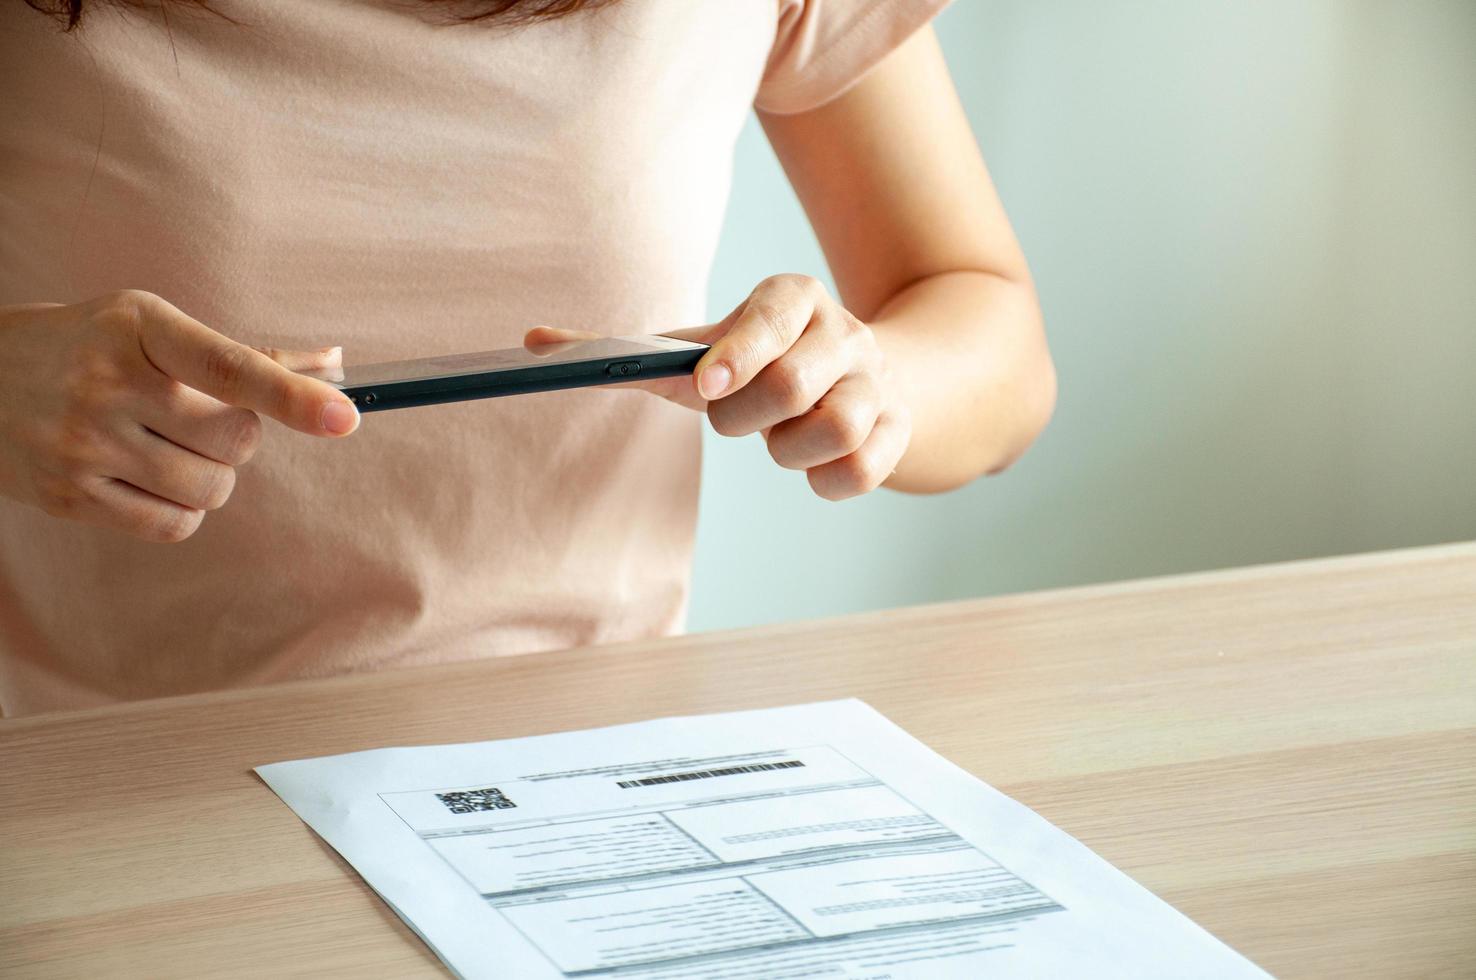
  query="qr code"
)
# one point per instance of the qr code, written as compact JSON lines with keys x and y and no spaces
{"x":473,"y":800}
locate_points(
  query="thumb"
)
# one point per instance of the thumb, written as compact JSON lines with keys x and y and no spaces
{"x":543,"y":336}
{"x":325,"y":363}
{"x":551,"y":340}
{"x":706,"y":334}
{"x":543,"y":339}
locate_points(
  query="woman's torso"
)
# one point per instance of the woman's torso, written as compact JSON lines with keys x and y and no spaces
{"x":351,"y":172}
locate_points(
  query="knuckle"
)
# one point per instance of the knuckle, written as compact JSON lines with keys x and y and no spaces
{"x":796,"y":282}
{"x":173,"y":397}
{"x":282,"y":400}
{"x":217,"y":486}
{"x":132,"y":299}
{"x":851,"y":472}
{"x":92,"y":379}
{"x":129,"y":307}
{"x":241,"y":438}
{"x":62,"y":507}
{"x":850,"y":326}
{"x":78,"y":445}
{"x":58,"y":496}
{"x":225,"y":365}
{"x":827,"y":485}
{"x":900,"y":416}
{"x":811,"y":287}
{"x":845,"y":429}
{"x":785,"y":451}
{"x":788,"y":384}
{"x":857,"y":473}
{"x":871,"y":470}
{"x":169,"y":526}
{"x":773,"y":318}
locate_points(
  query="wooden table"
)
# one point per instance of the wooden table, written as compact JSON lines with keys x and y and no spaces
{"x":1287,"y":754}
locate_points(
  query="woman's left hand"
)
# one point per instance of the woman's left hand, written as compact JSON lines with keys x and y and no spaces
{"x":792,"y":363}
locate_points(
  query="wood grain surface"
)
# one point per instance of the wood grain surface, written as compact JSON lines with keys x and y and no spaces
{"x":1287,"y":754}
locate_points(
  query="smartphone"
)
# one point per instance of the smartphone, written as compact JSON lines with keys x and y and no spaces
{"x":490,"y":374}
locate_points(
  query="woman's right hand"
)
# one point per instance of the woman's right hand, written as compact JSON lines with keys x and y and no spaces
{"x":125,"y":413}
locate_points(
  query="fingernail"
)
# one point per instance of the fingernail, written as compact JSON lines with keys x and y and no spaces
{"x":339,"y":418}
{"x":714,"y":381}
{"x":330,"y":351}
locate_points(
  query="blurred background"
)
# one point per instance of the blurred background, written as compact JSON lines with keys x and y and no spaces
{"x":1253,"y":229}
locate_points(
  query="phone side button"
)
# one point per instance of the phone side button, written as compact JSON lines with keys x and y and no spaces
{"x":623,"y":369}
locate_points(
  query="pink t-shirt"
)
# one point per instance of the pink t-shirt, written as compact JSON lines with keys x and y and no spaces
{"x":354,"y":172}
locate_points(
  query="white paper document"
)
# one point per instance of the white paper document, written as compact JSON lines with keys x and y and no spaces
{"x":810,"y":841}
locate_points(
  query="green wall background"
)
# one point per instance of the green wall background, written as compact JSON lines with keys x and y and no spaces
{"x":1253,"y":225}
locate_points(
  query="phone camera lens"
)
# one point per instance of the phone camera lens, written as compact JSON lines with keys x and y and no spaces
{"x":369,"y":398}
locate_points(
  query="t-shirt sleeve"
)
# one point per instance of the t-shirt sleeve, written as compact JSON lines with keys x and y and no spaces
{"x":823,"y":47}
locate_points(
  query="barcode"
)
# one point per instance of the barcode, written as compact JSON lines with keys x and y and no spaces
{"x":678,"y":777}
{"x":476,"y":800}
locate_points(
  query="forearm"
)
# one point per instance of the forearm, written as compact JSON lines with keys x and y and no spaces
{"x":968,"y":350}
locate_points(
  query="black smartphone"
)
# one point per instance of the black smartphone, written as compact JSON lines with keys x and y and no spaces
{"x":489,"y":374}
